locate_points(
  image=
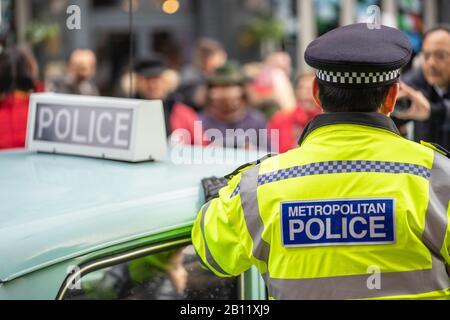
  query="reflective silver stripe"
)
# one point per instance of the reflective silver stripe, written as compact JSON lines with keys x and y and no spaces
{"x":436,"y":219}
{"x":341,"y":167}
{"x":355,"y":287}
{"x":209,"y":257}
{"x":249,"y":202}
{"x":266,"y":279}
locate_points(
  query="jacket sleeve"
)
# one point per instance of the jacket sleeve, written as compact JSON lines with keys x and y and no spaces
{"x":219,"y":234}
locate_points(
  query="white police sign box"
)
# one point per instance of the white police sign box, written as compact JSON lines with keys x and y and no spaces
{"x":111,"y":128}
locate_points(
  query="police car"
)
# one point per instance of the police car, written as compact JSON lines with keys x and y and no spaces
{"x":75,"y":227}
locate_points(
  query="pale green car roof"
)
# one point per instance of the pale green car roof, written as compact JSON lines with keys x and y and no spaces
{"x":54,"y":208}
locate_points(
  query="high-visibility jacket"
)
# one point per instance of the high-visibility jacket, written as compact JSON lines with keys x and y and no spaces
{"x":356,"y":212}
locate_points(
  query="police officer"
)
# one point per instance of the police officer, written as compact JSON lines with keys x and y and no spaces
{"x":356,"y":211}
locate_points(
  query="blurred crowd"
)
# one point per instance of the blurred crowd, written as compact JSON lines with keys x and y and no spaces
{"x":224,"y":96}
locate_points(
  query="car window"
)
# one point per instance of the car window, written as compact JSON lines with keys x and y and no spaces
{"x":174,"y":274}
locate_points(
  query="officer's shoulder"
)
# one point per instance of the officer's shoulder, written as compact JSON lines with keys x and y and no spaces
{"x":248,"y":166}
{"x":437,"y":148}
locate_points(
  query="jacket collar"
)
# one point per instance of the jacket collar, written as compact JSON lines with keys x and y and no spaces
{"x":373,"y":119}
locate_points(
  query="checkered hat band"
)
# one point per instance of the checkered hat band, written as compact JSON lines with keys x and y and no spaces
{"x":341,"y":167}
{"x":355,"y":78}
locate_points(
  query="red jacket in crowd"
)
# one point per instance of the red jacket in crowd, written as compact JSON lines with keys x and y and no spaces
{"x":291,"y":126}
{"x":184,"y":117}
{"x":13,"y":120}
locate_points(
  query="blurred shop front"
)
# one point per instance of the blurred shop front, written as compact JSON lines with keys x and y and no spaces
{"x":248,"y":29}
{"x":153,"y":27}
{"x":411,"y":16}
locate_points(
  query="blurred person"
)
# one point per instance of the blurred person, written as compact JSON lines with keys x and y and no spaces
{"x":160,"y":276}
{"x":209,"y":55}
{"x":126,"y":86}
{"x":290,"y":125}
{"x":280,"y":60}
{"x":429,"y":90}
{"x":251,"y":70}
{"x":18,"y":79}
{"x":172,"y":79}
{"x":81,"y":70}
{"x":227,"y":107}
{"x":154,"y":81}
{"x":271,"y":90}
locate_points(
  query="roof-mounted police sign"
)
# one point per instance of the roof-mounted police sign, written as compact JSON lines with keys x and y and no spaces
{"x":110,"y":128}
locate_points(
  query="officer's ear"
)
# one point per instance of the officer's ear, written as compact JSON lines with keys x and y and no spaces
{"x":316,"y":92}
{"x":389,"y":104}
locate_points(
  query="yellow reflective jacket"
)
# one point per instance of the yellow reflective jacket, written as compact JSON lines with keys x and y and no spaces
{"x":357,"y":212}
